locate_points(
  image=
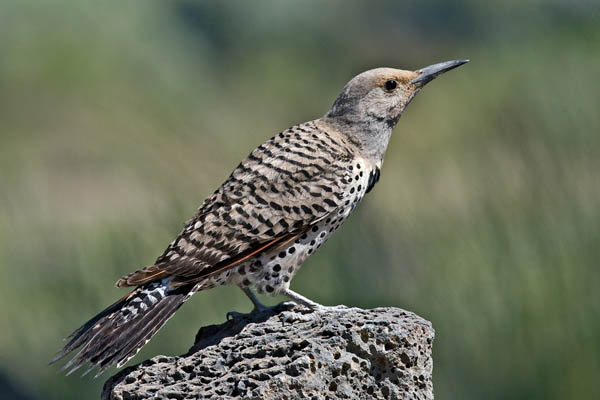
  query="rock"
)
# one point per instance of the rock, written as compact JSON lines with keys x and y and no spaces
{"x":347,"y":353}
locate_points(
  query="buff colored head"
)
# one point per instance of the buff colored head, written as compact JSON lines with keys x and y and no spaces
{"x":371,"y":104}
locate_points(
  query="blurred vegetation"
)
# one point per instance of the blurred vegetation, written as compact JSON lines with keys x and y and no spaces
{"x":118,"y":118}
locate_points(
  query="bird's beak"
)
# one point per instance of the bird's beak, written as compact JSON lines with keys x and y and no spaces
{"x":429,"y":73}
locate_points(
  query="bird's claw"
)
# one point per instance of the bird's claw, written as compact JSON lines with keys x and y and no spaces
{"x":284,"y":306}
{"x":288,"y":305}
{"x":338,"y":308}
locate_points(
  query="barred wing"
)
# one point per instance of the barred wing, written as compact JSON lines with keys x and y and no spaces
{"x":286,"y":185}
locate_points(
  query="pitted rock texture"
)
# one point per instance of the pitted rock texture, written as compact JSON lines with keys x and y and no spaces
{"x":349,"y":353}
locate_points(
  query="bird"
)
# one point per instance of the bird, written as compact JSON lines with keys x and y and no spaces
{"x":277,"y":207}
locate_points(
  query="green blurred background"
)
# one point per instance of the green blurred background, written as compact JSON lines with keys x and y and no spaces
{"x":118,"y":118}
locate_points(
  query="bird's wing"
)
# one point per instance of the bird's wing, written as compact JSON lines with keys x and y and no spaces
{"x":285,"y":186}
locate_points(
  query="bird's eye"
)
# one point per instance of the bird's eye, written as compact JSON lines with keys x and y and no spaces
{"x":390,"y":85}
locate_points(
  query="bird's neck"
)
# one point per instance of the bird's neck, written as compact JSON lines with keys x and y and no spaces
{"x":370,"y":135}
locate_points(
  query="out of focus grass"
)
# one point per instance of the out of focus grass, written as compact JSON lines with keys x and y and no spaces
{"x":117,"y":119}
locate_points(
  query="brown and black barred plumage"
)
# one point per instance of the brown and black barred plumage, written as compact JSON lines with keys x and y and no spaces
{"x":275,"y":209}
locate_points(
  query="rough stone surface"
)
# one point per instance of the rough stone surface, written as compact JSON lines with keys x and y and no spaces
{"x":277,"y":354}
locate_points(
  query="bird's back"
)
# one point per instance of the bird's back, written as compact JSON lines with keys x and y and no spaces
{"x":300,"y":181}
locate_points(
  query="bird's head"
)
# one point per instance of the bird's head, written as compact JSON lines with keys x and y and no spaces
{"x":371,"y":104}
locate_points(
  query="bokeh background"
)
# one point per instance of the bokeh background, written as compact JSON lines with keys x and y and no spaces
{"x":118,"y":118}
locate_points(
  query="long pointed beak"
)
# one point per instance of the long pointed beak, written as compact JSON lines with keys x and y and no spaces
{"x":431,"y":72}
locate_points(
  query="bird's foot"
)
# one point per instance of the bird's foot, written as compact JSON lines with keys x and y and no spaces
{"x":283,"y":306}
{"x":286,"y":305}
{"x":307,"y":312}
{"x":311,"y":305}
{"x":316,"y":307}
{"x":339,"y":307}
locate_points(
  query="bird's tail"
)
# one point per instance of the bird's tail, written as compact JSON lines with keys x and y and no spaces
{"x":116,"y":334}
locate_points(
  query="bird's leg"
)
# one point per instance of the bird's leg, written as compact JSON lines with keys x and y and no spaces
{"x":258,"y":306}
{"x":297,"y":297}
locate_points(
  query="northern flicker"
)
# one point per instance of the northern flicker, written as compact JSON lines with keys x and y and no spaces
{"x":275,"y":210}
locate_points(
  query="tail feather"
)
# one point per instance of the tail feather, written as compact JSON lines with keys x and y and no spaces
{"x":83,"y":334}
{"x":136,"y":343}
{"x":150,"y":324}
{"x":116,"y":334}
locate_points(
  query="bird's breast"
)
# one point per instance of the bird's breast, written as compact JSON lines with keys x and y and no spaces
{"x":273,"y":270}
